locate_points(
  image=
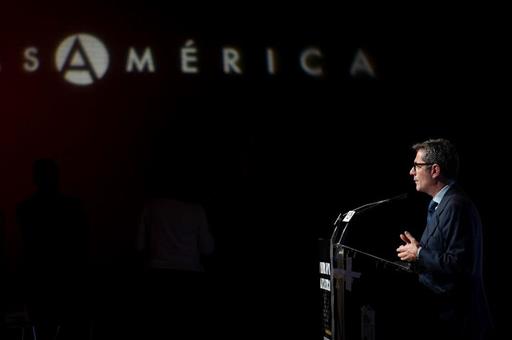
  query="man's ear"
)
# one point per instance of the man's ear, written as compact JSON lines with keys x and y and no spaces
{"x":435,"y":170}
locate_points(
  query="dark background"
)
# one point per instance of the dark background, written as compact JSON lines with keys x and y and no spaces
{"x":273,"y":159}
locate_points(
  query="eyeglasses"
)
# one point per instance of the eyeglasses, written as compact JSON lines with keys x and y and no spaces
{"x":417,"y":166}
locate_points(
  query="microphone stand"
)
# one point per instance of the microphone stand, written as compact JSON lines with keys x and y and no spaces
{"x":346,"y":217}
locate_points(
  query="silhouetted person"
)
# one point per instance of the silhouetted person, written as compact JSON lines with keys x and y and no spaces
{"x":54,"y":235}
{"x":3,"y":254}
{"x":3,"y":269}
{"x":173,"y":238}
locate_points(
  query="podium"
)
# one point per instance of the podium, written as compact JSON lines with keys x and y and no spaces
{"x":364,"y":287}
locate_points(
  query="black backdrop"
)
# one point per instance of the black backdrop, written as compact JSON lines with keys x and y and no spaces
{"x":273,"y":159}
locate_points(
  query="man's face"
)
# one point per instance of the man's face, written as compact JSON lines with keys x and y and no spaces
{"x":421,"y":172}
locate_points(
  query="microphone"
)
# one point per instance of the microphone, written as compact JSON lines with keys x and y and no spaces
{"x":387,"y":200}
{"x":348,"y":215}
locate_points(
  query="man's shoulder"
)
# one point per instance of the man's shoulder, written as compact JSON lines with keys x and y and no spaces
{"x":456,"y":197}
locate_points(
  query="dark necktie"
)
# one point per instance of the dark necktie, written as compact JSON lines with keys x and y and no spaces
{"x":431,"y":209}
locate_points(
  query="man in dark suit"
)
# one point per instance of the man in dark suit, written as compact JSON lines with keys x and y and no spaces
{"x":448,"y":257}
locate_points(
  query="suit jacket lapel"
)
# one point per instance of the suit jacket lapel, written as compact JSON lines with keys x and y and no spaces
{"x":434,"y":222}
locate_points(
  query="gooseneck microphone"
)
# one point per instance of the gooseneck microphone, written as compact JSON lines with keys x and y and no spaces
{"x":346,"y":217}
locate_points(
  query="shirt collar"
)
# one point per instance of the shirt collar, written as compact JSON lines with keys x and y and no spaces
{"x":439,"y":196}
